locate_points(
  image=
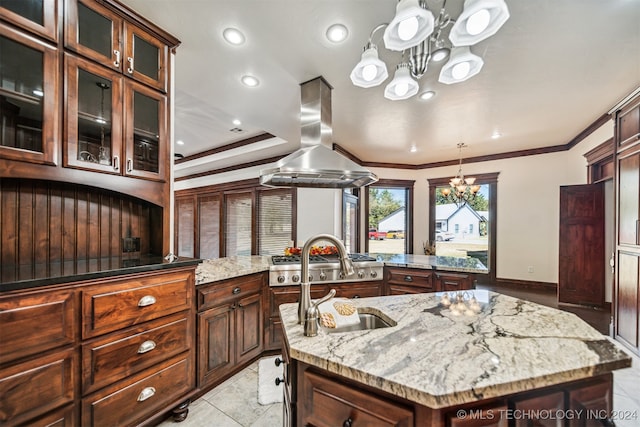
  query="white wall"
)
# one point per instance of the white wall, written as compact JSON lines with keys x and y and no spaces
{"x":528,"y":205}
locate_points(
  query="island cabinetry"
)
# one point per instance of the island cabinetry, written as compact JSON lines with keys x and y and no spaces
{"x":104,"y":35}
{"x":287,"y":294}
{"x":449,"y":281}
{"x":37,"y":358}
{"x":230,"y":326}
{"x":138,"y":335}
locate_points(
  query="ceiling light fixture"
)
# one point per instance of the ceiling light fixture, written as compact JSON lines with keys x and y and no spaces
{"x":236,"y":122}
{"x":496,"y":135}
{"x":233,"y":36}
{"x":250,"y":81}
{"x":180,"y":142}
{"x":337,"y":33}
{"x":462,"y":189}
{"x":415,"y":29}
{"x":427,"y":95}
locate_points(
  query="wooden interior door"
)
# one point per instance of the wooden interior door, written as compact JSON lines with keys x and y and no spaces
{"x":581,"y":278}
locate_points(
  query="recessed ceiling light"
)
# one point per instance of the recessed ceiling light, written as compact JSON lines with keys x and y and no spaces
{"x":236,"y":122}
{"x":496,"y":135}
{"x":337,"y":33}
{"x":250,"y":81}
{"x":180,"y":142}
{"x":427,"y":95}
{"x":413,"y":149}
{"x":233,"y":36}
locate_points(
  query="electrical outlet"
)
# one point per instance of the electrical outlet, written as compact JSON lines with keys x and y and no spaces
{"x":530,"y":269}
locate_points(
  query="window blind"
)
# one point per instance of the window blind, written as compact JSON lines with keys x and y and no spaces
{"x":238,"y":224}
{"x":274,"y":221}
{"x":209,"y":226}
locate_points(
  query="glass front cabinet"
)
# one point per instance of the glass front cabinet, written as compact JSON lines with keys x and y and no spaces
{"x":36,"y":16}
{"x":28,"y":97}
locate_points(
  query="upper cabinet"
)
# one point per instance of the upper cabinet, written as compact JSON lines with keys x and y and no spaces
{"x":98,"y":33}
{"x":29,"y":115}
{"x":37,"y":16}
{"x":628,"y":124}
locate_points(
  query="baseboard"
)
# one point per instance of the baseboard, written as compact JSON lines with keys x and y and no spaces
{"x":526,"y":284}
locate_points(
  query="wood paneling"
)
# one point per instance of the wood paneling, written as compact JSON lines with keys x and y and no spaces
{"x":45,"y":223}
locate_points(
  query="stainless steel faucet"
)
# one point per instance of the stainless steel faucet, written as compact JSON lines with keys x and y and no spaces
{"x":346,"y":267}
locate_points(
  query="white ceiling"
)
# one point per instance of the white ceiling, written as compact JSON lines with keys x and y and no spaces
{"x":553,"y":69}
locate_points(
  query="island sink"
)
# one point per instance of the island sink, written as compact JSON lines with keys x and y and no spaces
{"x":367,"y":321}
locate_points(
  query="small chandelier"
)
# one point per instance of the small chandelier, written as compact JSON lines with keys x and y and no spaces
{"x":462,"y":189}
{"x":415,"y":29}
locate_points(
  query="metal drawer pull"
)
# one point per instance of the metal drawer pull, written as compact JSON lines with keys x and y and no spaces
{"x":236,"y":291}
{"x":348,"y":422}
{"x":408,"y":279}
{"x":117,"y":61}
{"x":146,"y":300}
{"x":116,"y":163}
{"x":129,"y":165}
{"x":146,"y":393}
{"x":146,"y":346}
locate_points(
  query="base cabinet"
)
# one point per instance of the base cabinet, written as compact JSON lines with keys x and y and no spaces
{"x":230,"y":326}
{"x":400,"y":281}
{"x":319,"y":398}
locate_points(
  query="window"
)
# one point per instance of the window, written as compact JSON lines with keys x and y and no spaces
{"x":209,"y":226}
{"x":350,"y":203}
{"x":238,"y":212}
{"x":274,"y":221}
{"x":389,"y":209}
{"x":469,"y":229}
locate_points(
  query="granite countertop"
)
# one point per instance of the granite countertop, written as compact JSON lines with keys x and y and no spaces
{"x":439,"y":359}
{"x":432,"y":262}
{"x":213,"y":270}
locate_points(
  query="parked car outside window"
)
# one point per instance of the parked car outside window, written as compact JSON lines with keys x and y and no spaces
{"x":444,"y":236}
{"x":374,"y":234}
{"x":395,"y":234}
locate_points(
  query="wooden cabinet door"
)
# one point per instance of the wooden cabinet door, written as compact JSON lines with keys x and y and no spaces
{"x":95,"y":32}
{"x":145,"y":57}
{"x":495,"y":416}
{"x":453,"y":281}
{"x":592,"y":402}
{"x":36,"y":16}
{"x":248,"y":328}
{"x":628,"y":124}
{"x":29,"y":113}
{"x":215,"y":338}
{"x":626,"y":295}
{"x":628,"y":196}
{"x":145,"y":132}
{"x":93,"y":128}
{"x":552,"y":403}
{"x":581,"y":278}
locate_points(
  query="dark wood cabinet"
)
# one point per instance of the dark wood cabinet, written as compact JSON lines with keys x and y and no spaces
{"x":400,"y":281}
{"x":230,"y":326}
{"x":489,"y":416}
{"x":627,"y":231}
{"x":29,"y":113}
{"x":450,"y":281}
{"x":103,"y":35}
{"x":526,"y":405}
{"x":36,"y":16}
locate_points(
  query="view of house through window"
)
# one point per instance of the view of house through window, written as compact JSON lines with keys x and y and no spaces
{"x":387,"y":220}
{"x":462,"y":229}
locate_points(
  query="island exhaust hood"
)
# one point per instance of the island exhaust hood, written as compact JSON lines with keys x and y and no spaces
{"x":315,"y":164}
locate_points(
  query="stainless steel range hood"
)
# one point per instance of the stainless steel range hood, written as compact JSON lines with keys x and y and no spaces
{"x":315,"y":164}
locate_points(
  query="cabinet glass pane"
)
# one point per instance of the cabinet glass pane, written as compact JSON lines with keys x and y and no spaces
{"x":30,"y":9}
{"x":21,"y":106}
{"x":145,"y":133}
{"x":94,"y":118}
{"x":94,"y":30}
{"x":146,"y":57}
{"x":238,"y":224}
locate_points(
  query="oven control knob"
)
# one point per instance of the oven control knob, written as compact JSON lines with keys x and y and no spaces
{"x":323,"y":275}
{"x":341,"y":275}
{"x":295,"y":278}
{"x":360,"y":274}
{"x":280,"y":279}
{"x":374,"y":273}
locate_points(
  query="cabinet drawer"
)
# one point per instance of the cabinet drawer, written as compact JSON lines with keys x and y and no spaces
{"x":330,"y":403}
{"x":35,"y":387}
{"x":128,"y":302}
{"x":358,"y":290}
{"x":225,"y":291}
{"x":136,"y":398}
{"x":119,"y":355}
{"x":453,"y":282}
{"x":63,"y":417}
{"x":47,"y":316}
{"x":289,"y":294}
{"x":411,"y":277}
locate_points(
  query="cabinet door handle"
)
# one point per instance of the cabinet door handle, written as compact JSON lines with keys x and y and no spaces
{"x":116,"y":163}
{"x":236,"y":291}
{"x":279,"y":381}
{"x":146,"y":393}
{"x":408,"y":279}
{"x":146,"y":346}
{"x":278,"y":361}
{"x":129,"y":165}
{"x":146,"y":300}
{"x":130,"y":61}
{"x":233,"y":307}
{"x":117,"y":61}
{"x":348,"y":422}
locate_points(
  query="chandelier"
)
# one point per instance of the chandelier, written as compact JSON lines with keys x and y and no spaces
{"x":462,"y":189}
{"x":415,"y":29}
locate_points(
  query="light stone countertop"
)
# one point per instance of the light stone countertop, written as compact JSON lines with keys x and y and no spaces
{"x":437,"y":359}
{"x":213,"y":270}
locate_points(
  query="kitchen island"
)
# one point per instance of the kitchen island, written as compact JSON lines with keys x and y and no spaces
{"x":436,"y":368}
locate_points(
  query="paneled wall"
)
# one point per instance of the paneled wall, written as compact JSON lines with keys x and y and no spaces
{"x":47,"y":228}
